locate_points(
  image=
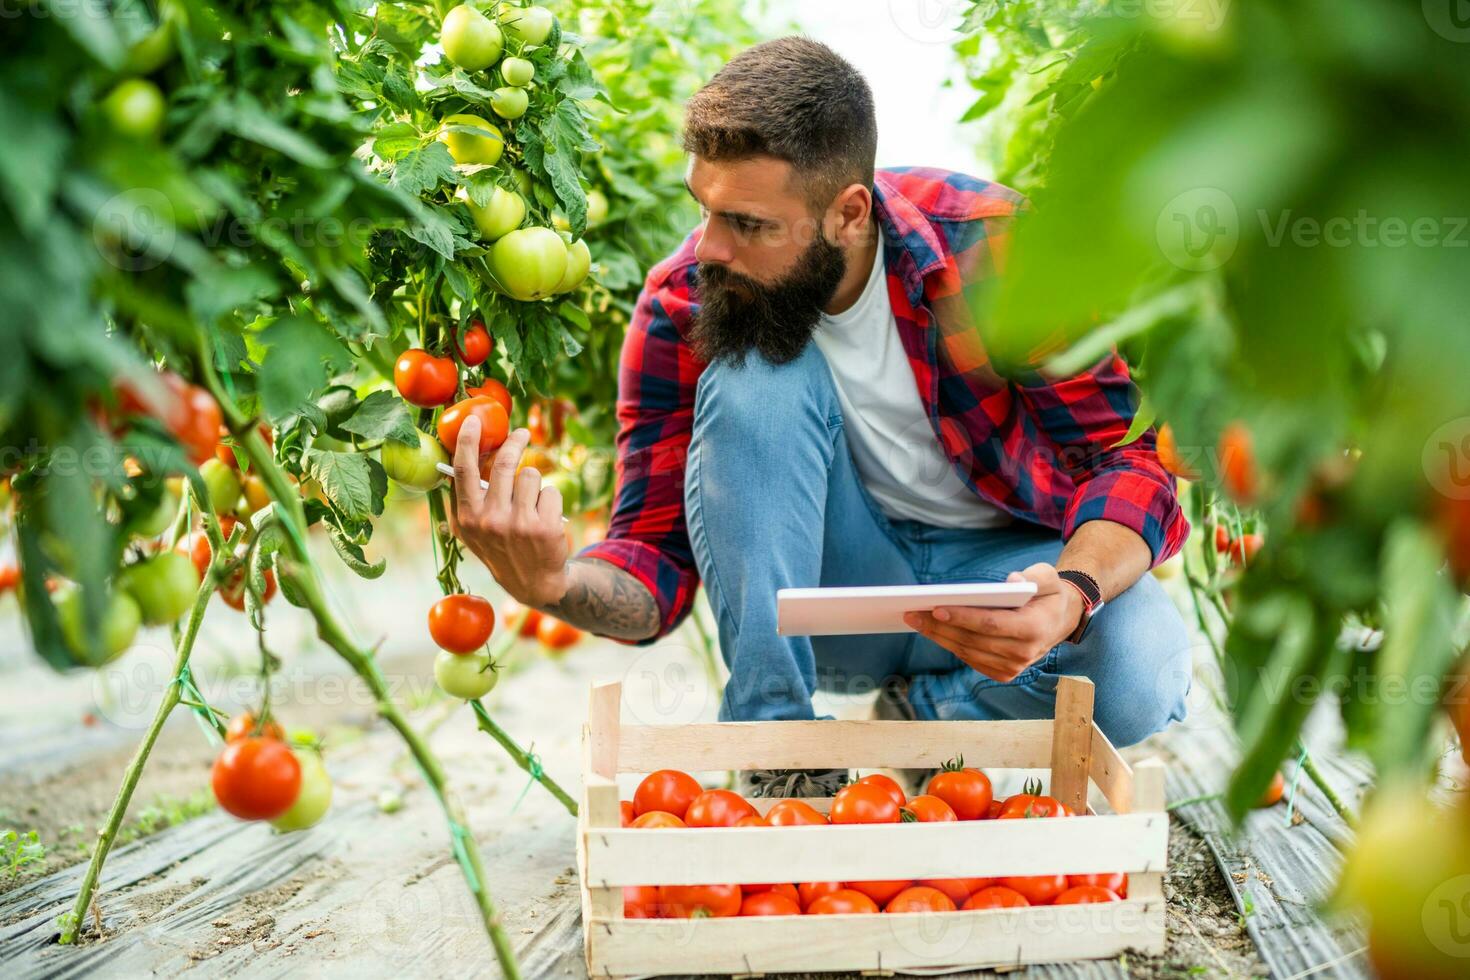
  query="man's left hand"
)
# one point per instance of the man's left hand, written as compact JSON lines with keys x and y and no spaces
{"x":1001,"y":643}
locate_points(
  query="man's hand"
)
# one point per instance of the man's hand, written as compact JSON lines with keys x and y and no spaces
{"x":515,"y":527}
{"x":1001,"y":643}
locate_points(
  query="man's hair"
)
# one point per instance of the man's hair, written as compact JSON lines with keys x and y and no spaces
{"x":794,"y":99}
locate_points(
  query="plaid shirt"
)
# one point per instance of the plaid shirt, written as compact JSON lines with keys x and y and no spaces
{"x":1044,"y":452}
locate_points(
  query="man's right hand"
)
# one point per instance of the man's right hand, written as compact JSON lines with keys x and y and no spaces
{"x":515,"y":527}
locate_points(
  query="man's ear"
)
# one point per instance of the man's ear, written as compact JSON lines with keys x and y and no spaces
{"x":849,"y":215}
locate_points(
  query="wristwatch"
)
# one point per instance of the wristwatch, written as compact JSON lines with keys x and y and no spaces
{"x":1092,"y":599}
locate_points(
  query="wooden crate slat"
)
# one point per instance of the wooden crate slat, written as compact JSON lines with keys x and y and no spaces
{"x":834,"y":744}
{"x":1071,"y":743}
{"x":1075,"y":845}
{"x":865,"y":942}
{"x":1148,"y":797}
{"x":1113,"y":776}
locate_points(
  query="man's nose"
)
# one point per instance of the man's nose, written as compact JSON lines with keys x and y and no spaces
{"x":713,"y":246}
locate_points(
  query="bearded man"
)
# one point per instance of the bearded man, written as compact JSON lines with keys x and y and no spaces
{"x":804,"y":401}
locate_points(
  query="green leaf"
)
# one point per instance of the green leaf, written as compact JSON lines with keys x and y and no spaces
{"x":299,"y":358}
{"x":395,"y":140}
{"x":1143,"y":417}
{"x":249,"y":120}
{"x":421,"y":170}
{"x":354,"y":482}
{"x":383,"y":415}
{"x":353,"y":556}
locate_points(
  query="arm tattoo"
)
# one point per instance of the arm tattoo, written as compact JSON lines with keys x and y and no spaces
{"x":607,"y":601}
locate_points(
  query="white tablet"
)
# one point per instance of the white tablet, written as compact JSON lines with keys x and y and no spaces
{"x":879,"y":608}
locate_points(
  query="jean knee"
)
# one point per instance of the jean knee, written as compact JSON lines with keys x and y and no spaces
{"x":747,"y":399}
{"x":1144,"y":673}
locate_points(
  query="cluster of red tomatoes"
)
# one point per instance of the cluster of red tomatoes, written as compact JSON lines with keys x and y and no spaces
{"x":669,"y":798}
{"x":1241,"y":550}
{"x":258,"y":776}
{"x":430,"y":381}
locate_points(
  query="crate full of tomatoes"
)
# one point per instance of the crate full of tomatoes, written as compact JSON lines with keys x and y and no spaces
{"x":681,"y":879}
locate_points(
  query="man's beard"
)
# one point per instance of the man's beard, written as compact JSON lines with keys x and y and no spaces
{"x":737,"y":314}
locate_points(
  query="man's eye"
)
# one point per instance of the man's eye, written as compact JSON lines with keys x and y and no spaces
{"x":746,"y":226}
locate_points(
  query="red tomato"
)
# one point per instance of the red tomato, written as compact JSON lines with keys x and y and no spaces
{"x":536,"y":424}
{"x":1084,"y":895}
{"x":958,"y":889}
{"x":641,"y":902}
{"x":996,"y":897}
{"x":863,"y":803}
{"x":993,"y":811}
{"x":1025,"y":805}
{"x":688,"y":901}
{"x":887,"y":785}
{"x":930,"y":809}
{"x":668,"y":790}
{"x":494,"y":423}
{"x":1115,"y":882}
{"x":461,"y":623}
{"x":1037,"y":889}
{"x":780,"y":888}
{"x":920,"y":898}
{"x":1274,"y":791}
{"x":655,"y":819}
{"x":841,"y":902}
{"x":196,"y":425}
{"x":1238,"y":470}
{"x":967,"y":791}
{"x":233,"y":591}
{"x":493,"y":389}
{"x":1243,"y":549}
{"x":628,"y":813}
{"x":243,"y":726}
{"x":795,"y":813}
{"x":425,"y":380}
{"x":754,"y":820}
{"x":810,"y":891}
{"x":1222,"y":538}
{"x":476,"y":345}
{"x":510,"y":609}
{"x":9,"y":577}
{"x":555,"y":634}
{"x":1168,"y":449}
{"x":256,"y":778}
{"x":717,"y":808}
{"x":881,"y":892}
{"x":769,"y":903}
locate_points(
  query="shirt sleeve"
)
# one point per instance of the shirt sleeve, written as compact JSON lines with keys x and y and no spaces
{"x":1085,"y":417}
{"x":657,"y":374}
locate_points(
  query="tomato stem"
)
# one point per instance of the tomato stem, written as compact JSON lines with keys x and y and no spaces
{"x":489,"y":726}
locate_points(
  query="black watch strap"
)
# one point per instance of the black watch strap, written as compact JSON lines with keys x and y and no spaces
{"x":1091,"y":598}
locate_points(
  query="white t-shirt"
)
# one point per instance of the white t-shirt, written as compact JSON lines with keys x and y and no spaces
{"x":897,"y":455}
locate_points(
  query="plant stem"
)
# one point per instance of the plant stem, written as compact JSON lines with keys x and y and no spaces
{"x":72,"y":923}
{"x":1315,"y":775}
{"x":489,"y":726}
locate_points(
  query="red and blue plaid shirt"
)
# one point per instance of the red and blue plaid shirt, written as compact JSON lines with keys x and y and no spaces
{"x":1045,"y":452}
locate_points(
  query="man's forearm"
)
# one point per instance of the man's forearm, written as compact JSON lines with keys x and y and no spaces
{"x":606,"y":600}
{"x":1111,"y":553}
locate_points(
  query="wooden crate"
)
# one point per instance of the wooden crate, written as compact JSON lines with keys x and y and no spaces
{"x":1132,"y":838}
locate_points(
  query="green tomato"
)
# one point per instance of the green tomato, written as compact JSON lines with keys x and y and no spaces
{"x":596,"y":208}
{"x":529,"y":262}
{"x":120,"y":621}
{"x":465,"y":147}
{"x":223,"y":484}
{"x":414,"y":466}
{"x":517,"y":72}
{"x":500,"y":217}
{"x":570,"y":488}
{"x":470,"y":39}
{"x":314,"y":797}
{"x":523,"y":181}
{"x":135,"y":109}
{"x":579,"y":261}
{"x":464,"y":675}
{"x":326,"y":442}
{"x":152,"y":51}
{"x":532,"y":25}
{"x":163,"y":586}
{"x":510,"y":103}
{"x":152,"y":523}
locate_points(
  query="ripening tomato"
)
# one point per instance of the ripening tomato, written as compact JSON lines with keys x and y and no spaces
{"x":510,"y":610}
{"x":243,"y":726}
{"x":197,"y":425}
{"x":493,"y":389}
{"x":810,"y":891}
{"x":844,"y":901}
{"x":1169,"y":457}
{"x":769,"y":903}
{"x":536,"y":425}
{"x":881,"y":892}
{"x":967,"y":791}
{"x":1274,"y":791}
{"x":1222,"y":538}
{"x":930,"y":809}
{"x":1238,"y":470}
{"x":995,"y":897}
{"x":9,"y":577}
{"x":256,"y":778}
{"x":628,"y":813}
{"x":863,"y":803}
{"x":314,"y":798}
{"x":1026,"y":805}
{"x":476,"y":346}
{"x":1037,"y":889}
{"x":993,"y":811}
{"x":958,"y":889}
{"x":689,"y":901}
{"x":920,"y":898}
{"x":233,"y":591}
{"x":1243,"y":549}
{"x":754,"y":820}
{"x":555,"y":634}
{"x":795,"y":813}
{"x":656,"y":819}
{"x":888,"y":785}
{"x":163,"y":586}
{"x":780,"y":888}
{"x":1115,"y":882}
{"x":425,"y":380}
{"x":461,"y":623}
{"x":717,"y":808}
{"x":494,"y":424}
{"x":668,"y":790}
{"x":1084,"y":895}
{"x":641,"y":902}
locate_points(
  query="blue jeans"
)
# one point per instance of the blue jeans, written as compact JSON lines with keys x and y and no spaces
{"x":774,"y":501}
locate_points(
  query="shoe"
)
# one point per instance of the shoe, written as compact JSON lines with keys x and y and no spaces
{"x":893,"y":704}
{"x":791,"y":783}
